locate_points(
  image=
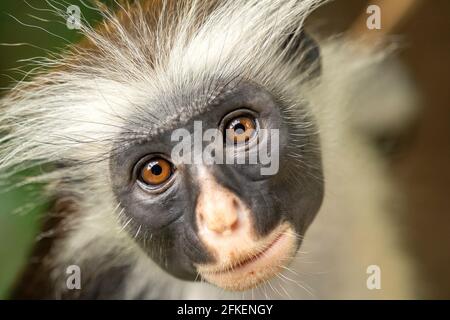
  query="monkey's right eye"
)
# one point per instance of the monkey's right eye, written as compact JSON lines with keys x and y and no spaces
{"x":155,"y":172}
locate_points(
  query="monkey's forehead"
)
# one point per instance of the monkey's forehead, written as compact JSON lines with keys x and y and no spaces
{"x":175,"y":109}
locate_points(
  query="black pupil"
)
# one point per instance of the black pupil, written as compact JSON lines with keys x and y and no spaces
{"x":156,"y":169}
{"x":239,"y":128}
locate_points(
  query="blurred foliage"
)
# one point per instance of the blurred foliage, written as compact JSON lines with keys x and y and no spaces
{"x":21,"y":208}
{"x":34,"y":25}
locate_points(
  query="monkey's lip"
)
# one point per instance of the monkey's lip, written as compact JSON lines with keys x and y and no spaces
{"x":252,"y":259}
{"x":255,"y":268}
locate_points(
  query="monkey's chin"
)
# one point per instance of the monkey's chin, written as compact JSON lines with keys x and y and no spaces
{"x":263,"y":265}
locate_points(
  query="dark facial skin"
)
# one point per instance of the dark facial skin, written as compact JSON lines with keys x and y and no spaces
{"x":168,"y":214}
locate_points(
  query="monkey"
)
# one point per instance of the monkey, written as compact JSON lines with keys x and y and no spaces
{"x":142,"y":224}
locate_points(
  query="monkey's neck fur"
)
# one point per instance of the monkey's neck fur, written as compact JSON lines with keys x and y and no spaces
{"x":73,"y":111}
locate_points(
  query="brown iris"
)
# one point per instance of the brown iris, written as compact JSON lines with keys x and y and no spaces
{"x":241,"y":129}
{"x":156,"y":171}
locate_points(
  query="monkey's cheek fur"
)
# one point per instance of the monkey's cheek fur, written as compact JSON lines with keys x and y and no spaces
{"x":258,"y":266}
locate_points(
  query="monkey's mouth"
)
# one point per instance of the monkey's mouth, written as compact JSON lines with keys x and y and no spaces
{"x":255,"y":267}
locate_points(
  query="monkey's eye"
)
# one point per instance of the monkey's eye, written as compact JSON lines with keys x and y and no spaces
{"x":241,"y":129}
{"x":156,"y":171}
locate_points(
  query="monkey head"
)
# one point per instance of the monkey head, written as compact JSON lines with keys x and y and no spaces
{"x":234,"y":224}
{"x":230,"y":223}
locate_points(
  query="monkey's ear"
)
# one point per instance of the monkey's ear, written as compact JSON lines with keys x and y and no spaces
{"x":303,"y":51}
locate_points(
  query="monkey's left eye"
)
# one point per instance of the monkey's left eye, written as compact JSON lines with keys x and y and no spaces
{"x":241,"y":129}
{"x":156,"y":171}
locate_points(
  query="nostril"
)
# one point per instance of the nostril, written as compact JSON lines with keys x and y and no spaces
{"x":234,"y":225}
{"x":235,"y":204}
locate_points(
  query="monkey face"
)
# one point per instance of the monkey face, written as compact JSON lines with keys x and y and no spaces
{"x":231,"y":223}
